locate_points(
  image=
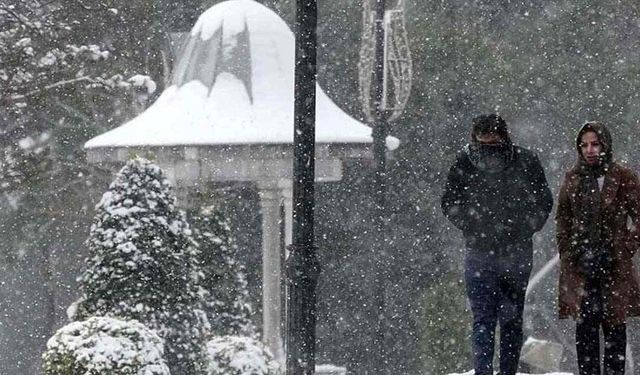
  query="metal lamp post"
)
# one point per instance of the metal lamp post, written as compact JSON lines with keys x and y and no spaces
{"x":380,"y":132}
{"x":385,"y":72}
{"x":302,"y":264}
{"x":383,"y":102}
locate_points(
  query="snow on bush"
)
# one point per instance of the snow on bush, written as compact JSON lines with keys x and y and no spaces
{"x":102,"y":345}
{"x":236,"y":355}
{"x":143,"y":81}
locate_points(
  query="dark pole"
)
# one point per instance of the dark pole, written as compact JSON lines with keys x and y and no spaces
{"x":380,"y":132}
{"x":302,"y":265}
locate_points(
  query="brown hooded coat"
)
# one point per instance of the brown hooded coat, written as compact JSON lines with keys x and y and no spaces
{"x":620,"y":201}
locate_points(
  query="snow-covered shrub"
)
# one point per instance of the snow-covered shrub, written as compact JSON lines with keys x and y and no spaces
{"x":143,"y":265}
{"x":102,"y":345}
{"x":225,"y":280}
{"x":444,"y":325}
{"x":236,"y":355}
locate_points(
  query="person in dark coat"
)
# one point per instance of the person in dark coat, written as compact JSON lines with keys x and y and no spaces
{"x":598,"y":201}
{"x":497,"y":194}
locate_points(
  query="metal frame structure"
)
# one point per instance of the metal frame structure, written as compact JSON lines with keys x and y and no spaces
{"x":385,"y":76}
{"x":397,"y":63}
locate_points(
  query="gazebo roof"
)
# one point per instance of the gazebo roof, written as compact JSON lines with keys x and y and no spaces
{"x":234,"y":85}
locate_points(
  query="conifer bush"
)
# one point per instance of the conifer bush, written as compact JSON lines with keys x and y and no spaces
{"x":236,"y":355}
{"x":102,"y":345}
{"x":143,"y":265}
{"x":445,"y":324}
{"x":225,"y":282}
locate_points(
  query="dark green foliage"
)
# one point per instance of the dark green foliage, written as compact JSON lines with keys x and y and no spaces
{"x":227,"y":307}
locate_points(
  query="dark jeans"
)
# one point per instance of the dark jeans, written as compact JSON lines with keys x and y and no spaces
{"x":588,"y":336}
{"x":496,"y":283}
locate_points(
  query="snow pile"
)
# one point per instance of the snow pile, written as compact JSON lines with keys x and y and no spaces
{"x":236,"y":355}
{"x":541,"y":355}
{"x":102,"y":345}
{"x":330,"y":370}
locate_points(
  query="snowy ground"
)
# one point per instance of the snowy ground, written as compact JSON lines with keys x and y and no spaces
{"x":549,"y":373}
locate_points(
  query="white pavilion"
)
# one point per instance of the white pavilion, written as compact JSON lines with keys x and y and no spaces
{"x":228,"y":116}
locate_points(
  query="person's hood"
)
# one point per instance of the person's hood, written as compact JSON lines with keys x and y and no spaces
{"x":604,"y":136}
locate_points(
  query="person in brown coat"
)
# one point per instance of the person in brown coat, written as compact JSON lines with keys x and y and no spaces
{"x":598,"y":201}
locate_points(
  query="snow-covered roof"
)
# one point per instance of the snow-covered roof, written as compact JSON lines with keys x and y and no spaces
{"x":233,"y":85}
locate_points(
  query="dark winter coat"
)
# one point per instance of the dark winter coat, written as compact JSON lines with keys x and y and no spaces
{"x":494,"y":210}
{"x":620,"y":200}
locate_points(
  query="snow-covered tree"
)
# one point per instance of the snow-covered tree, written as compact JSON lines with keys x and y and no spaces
{"x":66,"y":71}
{"x":102,"y":345}
{"x":228,"y":307}
{"x":235,"y":355}
{"x":38,"y":51}
{"x":143,"y":265}
{"x":40,"y":65}
{"x":63,"y":79}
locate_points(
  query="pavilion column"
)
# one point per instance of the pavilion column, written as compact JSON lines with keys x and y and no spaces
{"x":286,"y":190}
{"x":286,"y":200}
{"x":271,"y":270}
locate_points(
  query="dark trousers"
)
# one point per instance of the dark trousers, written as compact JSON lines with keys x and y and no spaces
{"x":496,"y":282}
{"x":588,"y":336}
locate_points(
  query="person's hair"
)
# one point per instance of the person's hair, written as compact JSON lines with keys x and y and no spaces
{"x":489,"y":123}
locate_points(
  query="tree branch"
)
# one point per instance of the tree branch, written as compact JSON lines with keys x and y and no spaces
{"x":49,"y":87}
